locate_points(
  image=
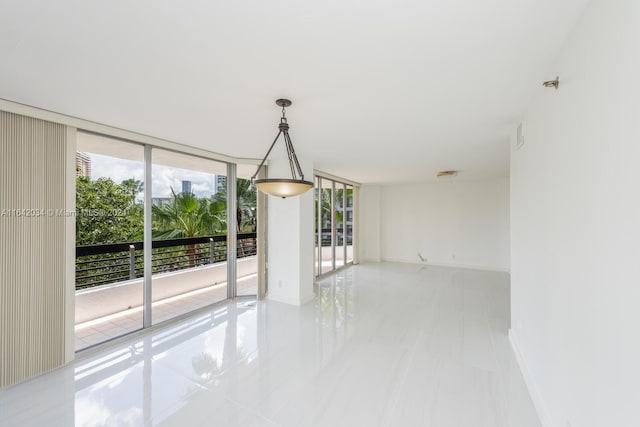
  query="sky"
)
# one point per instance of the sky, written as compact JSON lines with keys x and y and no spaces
{"x":164,"y":177}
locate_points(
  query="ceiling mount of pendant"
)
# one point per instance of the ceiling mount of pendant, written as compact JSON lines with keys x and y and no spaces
{"x":284,"y":103}
{"x":283,"y":187}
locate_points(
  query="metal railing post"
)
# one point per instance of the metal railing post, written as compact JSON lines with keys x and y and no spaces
{"x":132,"y":262}
{"x":117,"y":262}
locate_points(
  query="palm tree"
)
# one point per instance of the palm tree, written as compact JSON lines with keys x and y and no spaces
{"x":188,"y":216}
{"x":246,"y":203}
{"x":245,"y":206}
{"x":325,"y":209}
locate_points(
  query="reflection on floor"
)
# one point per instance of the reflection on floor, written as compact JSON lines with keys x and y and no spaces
{"x":327,"y":265}
{"x":118,"y":324}
{"x":382,"y":344}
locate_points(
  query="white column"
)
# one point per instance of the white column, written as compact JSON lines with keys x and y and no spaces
{"x":290,"y":240}
{"x":369,"y":223}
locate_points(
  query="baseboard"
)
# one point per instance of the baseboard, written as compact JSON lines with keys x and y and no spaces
{"x":451,"y":265}
{"x":538,"y":402}
{"x":288,"y":300}
{"x":307,"y":299}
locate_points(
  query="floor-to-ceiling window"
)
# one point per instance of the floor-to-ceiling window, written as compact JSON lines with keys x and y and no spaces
{"x":317,"y":181}
{"x":189,"y":231}
{"x":109,"y":229}
{"x":133,"y":199}
{"x":334,"y":223}
{"x":348,"y":223}
{"x":325,"y":243}
{"x":246,"y":228}
{"x":339,"y":203}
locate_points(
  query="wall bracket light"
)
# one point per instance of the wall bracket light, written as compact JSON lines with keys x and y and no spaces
{"x":552,"y":83}
{"x":283,"y":187}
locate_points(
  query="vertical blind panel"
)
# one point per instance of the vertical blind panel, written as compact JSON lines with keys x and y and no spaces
{"x":32,"y":246}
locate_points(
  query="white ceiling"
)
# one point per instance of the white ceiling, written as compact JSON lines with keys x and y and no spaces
{"x":383,"y":91}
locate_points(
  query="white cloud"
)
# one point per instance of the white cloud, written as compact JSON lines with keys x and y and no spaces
{"x":163,"y":177}
{"x":114,"y":168}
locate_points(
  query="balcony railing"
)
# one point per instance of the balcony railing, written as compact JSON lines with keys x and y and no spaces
{"x":116,"y":262}
{"x":326,"y":236}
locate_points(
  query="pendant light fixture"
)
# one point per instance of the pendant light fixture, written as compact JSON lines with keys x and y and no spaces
{"x":283,"y":187}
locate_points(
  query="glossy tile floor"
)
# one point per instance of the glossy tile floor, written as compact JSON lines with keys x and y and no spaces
{"x":383,"y":344}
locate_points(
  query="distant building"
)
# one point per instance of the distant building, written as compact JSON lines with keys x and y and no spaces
{"x":83,"y":165}
{"x":186,"y":187}
{"x":221,"y":183}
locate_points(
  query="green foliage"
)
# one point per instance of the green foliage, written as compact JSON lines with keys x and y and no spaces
{"x":325,"y":205}
{"x":188,"y":216}
{"x":110,"y":213}
{"x":132,"y":186}
{"x":335,"y":222}
{"x":107,"y":212}
{"x":246,"y":205}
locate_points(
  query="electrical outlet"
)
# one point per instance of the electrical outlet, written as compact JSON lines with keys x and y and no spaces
{"x":279,"y":283}
{"x":520,"y":136}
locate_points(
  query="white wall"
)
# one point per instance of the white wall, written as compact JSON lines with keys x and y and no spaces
{"x":575,"y":215}
{"x":456,"y":223}
{"x":369,"y":223}
{"x":290,"y":244}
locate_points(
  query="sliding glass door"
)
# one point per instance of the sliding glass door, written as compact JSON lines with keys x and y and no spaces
{"x":318,"y":226}
{"x":334,"y":222}
{"x":348,"y":224}
{"x":246,"y":230}
{"x":160,"y":234}
{"x":189,"y":230}
{"x":109,"y":227}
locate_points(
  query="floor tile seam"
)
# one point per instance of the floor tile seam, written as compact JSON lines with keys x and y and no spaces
{"x":171,"y":408}
{"x":388,"y":417}
{"x":174,"y":370}
{"x":252,"y":411}
{"x":320,"y":406}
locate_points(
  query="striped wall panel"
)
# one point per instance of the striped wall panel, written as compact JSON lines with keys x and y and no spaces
{"x":33,"y":157}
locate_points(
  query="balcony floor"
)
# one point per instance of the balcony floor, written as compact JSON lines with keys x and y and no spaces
{"x":115,"y":325}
